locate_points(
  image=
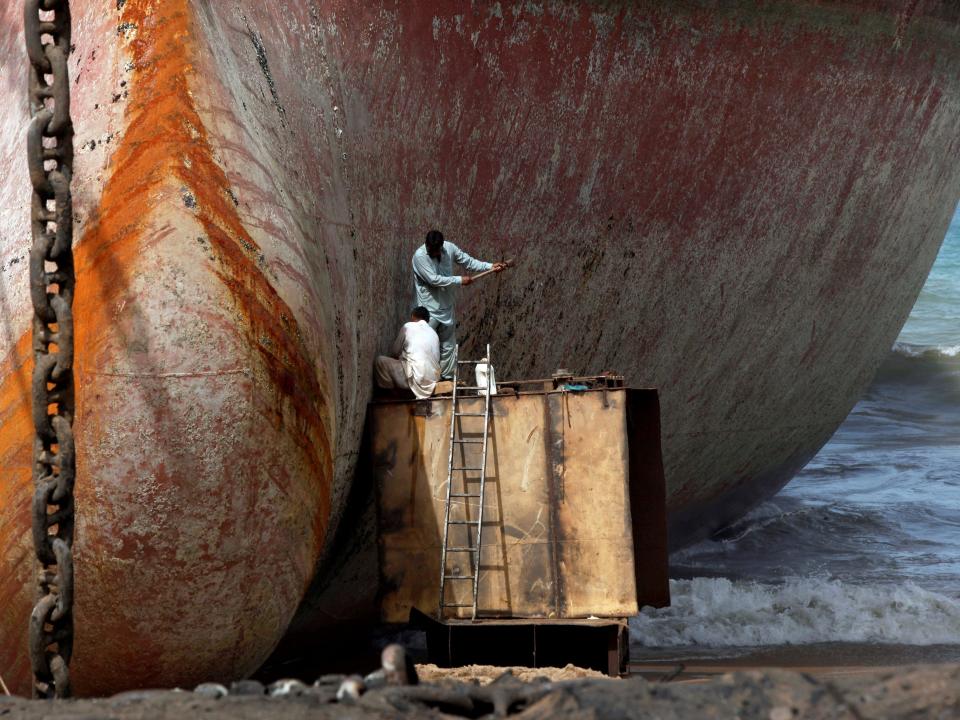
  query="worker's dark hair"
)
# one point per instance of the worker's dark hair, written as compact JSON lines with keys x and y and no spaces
{"x":421,"y":313}
{"x":434,"y":238}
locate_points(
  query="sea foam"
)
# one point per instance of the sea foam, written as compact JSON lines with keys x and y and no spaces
{"x":913,"y":350}
{"x":716,"y":612}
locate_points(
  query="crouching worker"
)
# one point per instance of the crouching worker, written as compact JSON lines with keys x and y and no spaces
{"x":416,"y":362}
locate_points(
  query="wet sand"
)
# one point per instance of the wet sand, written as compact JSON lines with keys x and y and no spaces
{"x":823,"y":660}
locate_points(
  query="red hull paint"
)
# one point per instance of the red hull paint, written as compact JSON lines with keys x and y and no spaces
{"x":738,"y":206}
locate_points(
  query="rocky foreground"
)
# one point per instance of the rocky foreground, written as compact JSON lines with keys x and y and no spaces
{"x":920,"y":692}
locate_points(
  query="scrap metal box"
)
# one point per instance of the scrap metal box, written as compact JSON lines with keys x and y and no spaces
{"x":574,"y":519}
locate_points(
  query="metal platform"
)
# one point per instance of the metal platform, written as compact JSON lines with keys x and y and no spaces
{"x":598,"y":644}
{"x":574,"y":517}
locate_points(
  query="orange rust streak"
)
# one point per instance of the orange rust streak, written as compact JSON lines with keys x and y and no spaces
{"x":167,"y":137}
{"x":16,"y":493}
{"x":279,"y":343}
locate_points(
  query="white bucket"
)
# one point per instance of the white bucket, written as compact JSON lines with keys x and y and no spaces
{"x":482,"y":378}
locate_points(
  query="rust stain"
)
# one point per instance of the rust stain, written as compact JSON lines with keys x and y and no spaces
{"x":165,"y":138}
{"x":16,"y":491}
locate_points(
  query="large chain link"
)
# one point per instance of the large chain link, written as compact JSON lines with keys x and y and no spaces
{"x":50,"y":158}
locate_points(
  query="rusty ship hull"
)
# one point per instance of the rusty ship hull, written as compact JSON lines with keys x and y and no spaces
{"x":736,"y":203}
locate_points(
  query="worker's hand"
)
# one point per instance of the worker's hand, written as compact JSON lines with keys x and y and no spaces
{"x":499,"y":266}
{"x":466,"y":280}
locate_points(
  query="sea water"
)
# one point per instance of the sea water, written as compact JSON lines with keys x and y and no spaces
{"x":863,"y":546}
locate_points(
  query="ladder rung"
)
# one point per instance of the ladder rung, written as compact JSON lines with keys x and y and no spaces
{"x":458,"y":577}
{"x":470,"y":414}
{"x":462,"y":549}
{"x":463,"y":522}
{"x":476,"y":441}
{"x":466,"y":468}
{"x":465,"y":495}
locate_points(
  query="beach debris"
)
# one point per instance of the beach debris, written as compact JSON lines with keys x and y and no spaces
{"x":211,"y":690}
{"x":504,"y":696}
{"x":889,"y":693}
{"x":448,"y":699}
{"x":325,"y":688}
{"x":351,"y":689}
{"x":394,"y":689}
{"x":247,"y":687}
{"x":396,"y":670}
{"x":375,"y":680}
{"x":287,"y":688}
{"x":397,"y":666}
{"x":138,"y":697}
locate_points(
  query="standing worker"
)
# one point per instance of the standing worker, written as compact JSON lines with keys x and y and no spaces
{"x":435,"y":284}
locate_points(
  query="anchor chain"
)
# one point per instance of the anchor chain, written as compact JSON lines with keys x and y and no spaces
{"x":52,"y":281}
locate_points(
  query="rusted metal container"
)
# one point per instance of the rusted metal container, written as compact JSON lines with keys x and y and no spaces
{"x":558,"y":521}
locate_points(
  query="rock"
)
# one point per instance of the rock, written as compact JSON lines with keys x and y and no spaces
{"x":375,"y":680}
{"x":215,"y":691}
{"x":247,"y":687}
{"x":287,"y":688}
{"x":398,"y":667}
{"x":325,"y":688}
{"x":322,"y":694}
{"x":918,"y":692}
{"x":145,"y":696}
{"x":351,"y":689}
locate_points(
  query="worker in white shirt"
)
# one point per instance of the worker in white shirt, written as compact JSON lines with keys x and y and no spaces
{"x":416,"y":361}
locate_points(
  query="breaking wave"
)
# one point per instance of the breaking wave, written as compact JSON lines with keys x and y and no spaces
{"x":931,"y":352}
{"x":716,"y":612}
{"x":915,"y":375}
{"x":863,"y":546}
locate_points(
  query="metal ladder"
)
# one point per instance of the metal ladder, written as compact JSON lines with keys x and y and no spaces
{"x":457,"y":440}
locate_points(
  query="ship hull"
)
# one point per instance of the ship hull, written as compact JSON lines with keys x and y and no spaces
{"x":736,"y":206}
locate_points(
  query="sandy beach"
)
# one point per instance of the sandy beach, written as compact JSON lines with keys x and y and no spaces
{"x":866,"y":692}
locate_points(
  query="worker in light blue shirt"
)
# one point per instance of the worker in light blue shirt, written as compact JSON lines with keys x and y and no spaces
{"x":436,"y":288}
